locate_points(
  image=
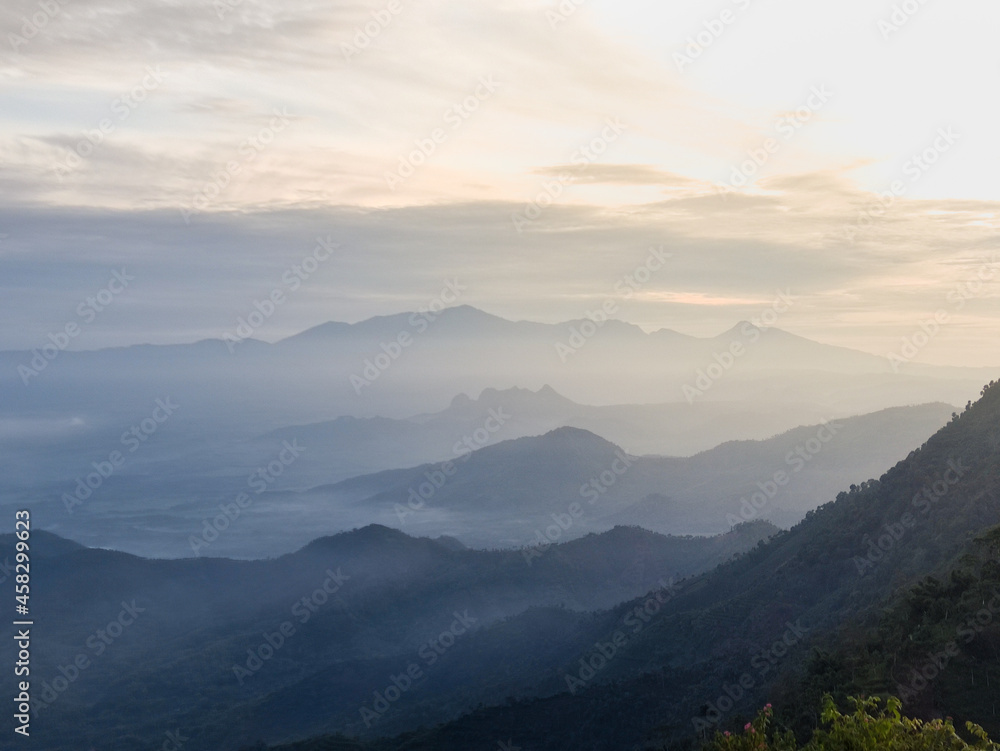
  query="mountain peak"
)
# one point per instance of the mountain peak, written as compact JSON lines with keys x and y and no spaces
{"x":741,"y":329}
{"x":576,"y":437}
{"x":564,"y":442}
{"x":460,"y":316}
{"x":460,"y":401}
{"x":522,"y":399}
{"x":466,"y":311}
{"x":362,"y":537}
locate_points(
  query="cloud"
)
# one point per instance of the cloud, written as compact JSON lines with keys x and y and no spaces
{"x":623,"y":174}
{"x":217,"y":105}
{"x":358,"y":114}
{"x":699,"y":299}
{"x":194,"y":281}
{"x":365,"y":93}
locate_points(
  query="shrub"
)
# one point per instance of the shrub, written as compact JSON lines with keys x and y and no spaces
{"x":872,"y":726}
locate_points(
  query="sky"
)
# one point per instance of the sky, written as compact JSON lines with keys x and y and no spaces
{"x":535,"y":152}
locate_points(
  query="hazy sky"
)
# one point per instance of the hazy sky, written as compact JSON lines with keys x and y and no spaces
{"x":532,"y":150}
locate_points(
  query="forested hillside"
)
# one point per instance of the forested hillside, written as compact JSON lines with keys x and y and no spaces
{"x":852,"y":575}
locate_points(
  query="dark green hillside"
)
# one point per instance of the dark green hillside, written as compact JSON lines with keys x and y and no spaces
{"x":937,"y":647}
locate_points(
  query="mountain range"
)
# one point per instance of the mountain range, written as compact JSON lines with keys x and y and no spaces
{"x":344,"y":612}
{"x":626,"y":639}
{"x":505,"y":493}
{"x":511,"y":493}
{"x":890,"y":588}
{"x":361,"y":370}
{"x":445,"y":531}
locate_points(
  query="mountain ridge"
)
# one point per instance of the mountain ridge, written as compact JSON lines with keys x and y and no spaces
{"x":518,"y":483}
{"x":469,"y":315}
{"x":710,"y":657}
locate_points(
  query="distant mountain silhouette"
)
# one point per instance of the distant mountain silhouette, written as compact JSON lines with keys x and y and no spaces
{"x":506,"y":493}
{"x":348,"y":446}
{"x":361,"y":369}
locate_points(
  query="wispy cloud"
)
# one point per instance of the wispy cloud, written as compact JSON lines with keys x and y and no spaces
{"x":230,"y":65}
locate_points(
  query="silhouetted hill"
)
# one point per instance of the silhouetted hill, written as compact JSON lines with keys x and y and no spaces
{"x":352,"y":446}
{"x":361,"y":370}
{"x":355,"y":607}
{"x":507,"y":493}
{"x":43,"y":545}
{"x":731,"y":638}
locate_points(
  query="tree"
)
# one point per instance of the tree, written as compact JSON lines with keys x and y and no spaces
{"x":872,"y":726}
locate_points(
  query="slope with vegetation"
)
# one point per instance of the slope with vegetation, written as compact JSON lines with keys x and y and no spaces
{"x":357,"y":608}
{"x":748,"y":631}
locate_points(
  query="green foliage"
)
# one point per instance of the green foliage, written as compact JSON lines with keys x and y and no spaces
{"x":945,"y":627}
{"x":872,"y":726}
{"x":757,"y":735}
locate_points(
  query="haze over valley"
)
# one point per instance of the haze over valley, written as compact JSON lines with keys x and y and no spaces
{"x":516,"y":375}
